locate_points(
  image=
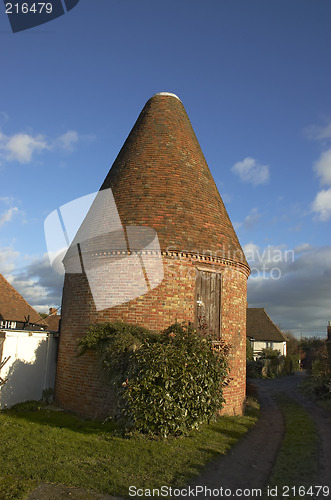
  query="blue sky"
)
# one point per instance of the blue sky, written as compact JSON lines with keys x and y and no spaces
{"x":255,"y":79}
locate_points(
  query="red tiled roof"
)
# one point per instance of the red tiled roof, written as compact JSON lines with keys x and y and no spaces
{"x":260,"y":326}
{"x":52,"y":322}
{"x":13,"y":307}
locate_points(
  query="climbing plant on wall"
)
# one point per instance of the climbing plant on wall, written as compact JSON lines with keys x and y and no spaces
{"x":167,"y":383}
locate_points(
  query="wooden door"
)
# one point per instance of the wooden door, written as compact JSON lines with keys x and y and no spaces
{"x":208,"y":301}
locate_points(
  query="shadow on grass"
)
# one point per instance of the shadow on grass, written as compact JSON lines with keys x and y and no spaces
{"x":39,"y":413}
{"x":62,"y":420}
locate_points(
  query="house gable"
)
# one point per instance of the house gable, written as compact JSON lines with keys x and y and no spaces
{"x":15,"y":312}
{"x":263,"y":333}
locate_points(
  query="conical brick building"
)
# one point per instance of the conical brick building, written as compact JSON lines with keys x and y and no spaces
{"x":159,"y":212}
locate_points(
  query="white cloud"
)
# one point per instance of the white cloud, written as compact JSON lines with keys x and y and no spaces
{"x":8,"y":258}
{"x":3,"y":117}
{"x":299,"y":300}
{"x":322,"y":205}
{"x":323,"y":167}
{"x":250,"y":221}
{"x":23,"y":147}
{"x":67,"y":140}
{"x":250,"y":250}
{"x":37,"y":282}
{"x":249,"y":170}
{"x":318,"y":133}
{"x":268,"y":258}
{"x":322,"y":202}
{"x":305,"y":247}
{"x":7,"y":200}
{"x":8,"y":215}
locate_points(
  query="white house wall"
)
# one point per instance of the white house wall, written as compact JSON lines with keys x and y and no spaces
{"x":278,"y":346}
{"x":31,"y":367}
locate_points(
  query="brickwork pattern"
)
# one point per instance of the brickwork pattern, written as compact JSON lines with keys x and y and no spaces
{"x":80,"y":385}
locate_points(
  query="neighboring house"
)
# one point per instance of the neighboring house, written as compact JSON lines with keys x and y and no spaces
{"x":15,"y":312}
{"x":28,"y":355}
{"x":263,"y":333}
{"x":53,"y":321}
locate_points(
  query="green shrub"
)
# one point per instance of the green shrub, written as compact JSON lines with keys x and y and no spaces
{"x":27,"y":406}
{"x":254,"y":368}
{"x":322,"y":387}
{"x":115,"y":343}
{"x":320,"y":368}
{"x":271,"y":364}
{"x":268,"y":353}
{"x":293,"y":362}
{"x":174,"y":385}
{"x":321,"y":379}
{"x":168,"y":383}
{"x":249,"y":351}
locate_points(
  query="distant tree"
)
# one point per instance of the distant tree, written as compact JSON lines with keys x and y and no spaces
{"x":313,"y":349}
{"x":268,"y":353}
{"x":249,"y":351}
{"x":43,"y":315}
{"x":293,"y":343}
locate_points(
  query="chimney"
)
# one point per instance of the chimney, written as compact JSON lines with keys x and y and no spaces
{"x":52,"y":311}
{"x":329,"y":331}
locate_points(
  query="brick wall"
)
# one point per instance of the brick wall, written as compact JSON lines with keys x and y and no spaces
{"x":80,"y":385}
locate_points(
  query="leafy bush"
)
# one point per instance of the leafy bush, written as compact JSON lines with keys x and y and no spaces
{"x":321,"y":379}
{"x":271,"y":364}
{"x":249,"y":351}
{"x":168,"y":383}
{"x":27,"y":406}
{"x":322,"y":387}
{"x":268,"y":353}
{"x":254,"y":368}
{"x":318,"y":386}
{"x":312,"y":349}
{"x":320,"y":368}
{"x":115,"y":343}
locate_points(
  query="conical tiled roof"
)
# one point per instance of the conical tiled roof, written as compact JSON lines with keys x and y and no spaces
{"x":161,"y":180}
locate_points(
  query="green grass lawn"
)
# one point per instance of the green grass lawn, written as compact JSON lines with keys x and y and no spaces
{"x":297,"y":461}
{"x":51,"y":446}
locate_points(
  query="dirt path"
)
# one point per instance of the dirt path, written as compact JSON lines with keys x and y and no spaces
{"x":250,"y":461}
{"x":322,"y":419}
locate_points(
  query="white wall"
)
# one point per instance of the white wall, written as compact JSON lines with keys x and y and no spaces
{"x":31,"y":367}
{"x":277,"y":346}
